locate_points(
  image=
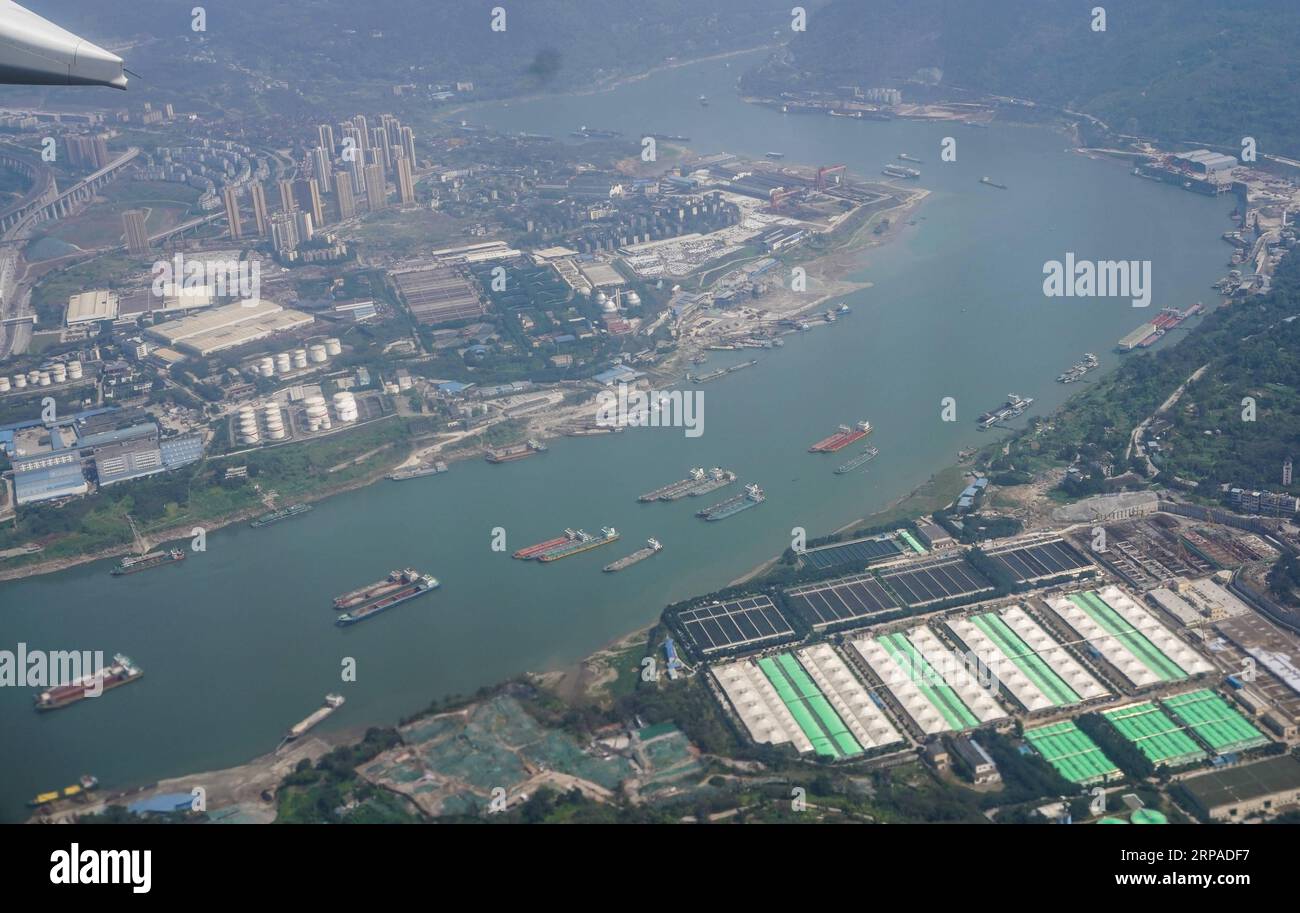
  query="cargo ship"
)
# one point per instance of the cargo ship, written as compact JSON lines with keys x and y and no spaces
{"x":652,"y":546}
{"x":842,"y":438}
{"x":80,"y":788}
{"x":774,"y":155}
{"x":133,"y":564}
{"x":989,"y":182}
{"x":592,"y":133}
{"x":1149,"y":334}
{"x":861,"y":459}
{"x":121,"y":672}
{"x":390,"y":584}
{"x":698,"y":482}
{"x":583,"y":543}
{"x":752,"y":497}
{"x":907,"y":157}
{"x":717,"y":478}
{"x":1079,"y":368}
{"x":593,"y":430}
{"x":898,"y":171}
{"x":515,"y":452}
{"x":532,"y":551}
{"x":283,"y":513}
{"x":674,"y":490}
{"x":1014,"y":406}
{"x":415,"y":472}
{"x":417,"y":585}
{"x":332,"y":702}
{"x":721,"y":372}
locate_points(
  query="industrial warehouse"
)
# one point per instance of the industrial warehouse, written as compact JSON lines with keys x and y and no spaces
{"x":63,"y":460}
{"x":229,"y":327}
{"x":907,"y":652}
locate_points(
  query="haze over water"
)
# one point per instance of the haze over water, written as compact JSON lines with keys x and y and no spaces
{"x":238,"y":643}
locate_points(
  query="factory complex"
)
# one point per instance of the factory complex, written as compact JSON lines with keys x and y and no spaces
{"x":935,"y":650}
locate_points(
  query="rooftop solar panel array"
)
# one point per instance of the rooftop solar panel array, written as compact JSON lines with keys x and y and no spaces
{"x":1038,"y":562}
{"x":846,"y":599}
{"x":751,"y":621}
{"x":937,"y":582}
{"x":861,"y":552}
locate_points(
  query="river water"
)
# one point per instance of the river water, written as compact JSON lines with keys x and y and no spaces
{"x":238,"y":643}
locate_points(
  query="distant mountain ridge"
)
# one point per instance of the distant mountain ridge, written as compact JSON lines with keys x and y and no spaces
{"x":1196,"y":70}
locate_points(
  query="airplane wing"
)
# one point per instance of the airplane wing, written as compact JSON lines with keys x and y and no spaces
{"x":36,"y":52}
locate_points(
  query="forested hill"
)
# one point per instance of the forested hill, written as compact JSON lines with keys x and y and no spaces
{"x":291,"y":56}
{"x":1252,"y":349}
{"x":1209,"y":71}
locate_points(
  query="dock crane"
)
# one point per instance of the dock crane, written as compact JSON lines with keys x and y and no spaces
{"x":827,"y":170}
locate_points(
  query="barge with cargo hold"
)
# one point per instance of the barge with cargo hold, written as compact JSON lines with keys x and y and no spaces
{"x":516,"y":452}
{"x":842,"y":438}
{"x":752,"y":497}
{"x":1015,"y":406}
{"x":582,"y":542}
{"x":898,"y":171}
{"x":415,"y":472}
{"x":332,"y":702}
{"x":393,"y":582}
{"x":1079,"y":368}
{"x":123,"y":671}
{"x":652,"y":547}
{"x":532,"y":551}
{"x":698,"y":482}
{"x":413,"y":584}
{"x":283,"y":513}
{"x":76,"y":790}
{"x":134,"y":564}
{"x":858,"y":461}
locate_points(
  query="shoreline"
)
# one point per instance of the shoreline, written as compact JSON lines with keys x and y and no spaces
{"x":609,"y":85}
{"x":581,"y":675}
{"x":828,"y":267}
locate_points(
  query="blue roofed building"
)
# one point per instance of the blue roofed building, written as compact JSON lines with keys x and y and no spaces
{"x":161,"y":805}
{"x":44,"y":483}
{"x":179,"y":451}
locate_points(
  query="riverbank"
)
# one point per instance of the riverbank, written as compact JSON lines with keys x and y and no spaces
{"x":610,"y":83}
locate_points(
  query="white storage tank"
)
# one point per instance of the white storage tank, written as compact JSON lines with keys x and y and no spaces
{"x":246,"y":423}
{"x":300,"y":358}
{"x":74,"y":370}
{"x":318,"y":415}
{"x":33,"y":377}
{"x":20,"y":381}
{"x":266,"y":367}
{"x":4,"y":384}
{"x":345,"y":406}
{"x":59,"y":373}
{"x":282,"y":363}
{"x":316,"y":354}
{"x":274,"y":422}
{"x":333,"y":347}
{"x":44,"y":378}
